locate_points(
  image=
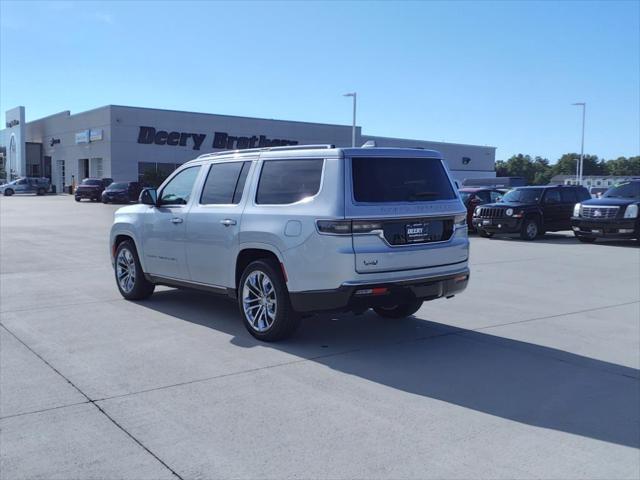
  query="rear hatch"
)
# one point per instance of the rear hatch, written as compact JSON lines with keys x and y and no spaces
{"x":403,"y":210}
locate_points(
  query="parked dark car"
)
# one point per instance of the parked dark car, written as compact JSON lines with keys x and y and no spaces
{"x":90,"y":188}
{"x":530,"y":211}
{"x":614,"y":215}
{"x":121,"y":192}
{"x":473,"y":197}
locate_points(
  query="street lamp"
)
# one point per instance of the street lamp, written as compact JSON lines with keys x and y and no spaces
{"x":353,"y":128}
{"x":579,"y":166}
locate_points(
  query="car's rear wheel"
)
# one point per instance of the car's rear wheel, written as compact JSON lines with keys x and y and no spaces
{"x":40,"y":191}
{"x":484,"y":233}
{"x":77,"y":199}
{"x":399,"y":311}
{"x":586,"y":239}
{"x":129,"y":275}
{"x":8,"y":192}
{"x":530,"y":229}
{"x":264,"y":303}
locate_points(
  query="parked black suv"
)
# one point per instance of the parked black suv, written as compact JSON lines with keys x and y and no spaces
{"x":530,"y":211}
{"x":614,"y":215}
{"x":92,"y":188}
{"x":122,"y":192}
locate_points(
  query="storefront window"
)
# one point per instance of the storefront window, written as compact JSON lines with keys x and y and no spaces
{"x":152,"y":174}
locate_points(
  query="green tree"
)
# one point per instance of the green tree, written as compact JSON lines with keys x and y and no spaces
{"x":536,"y":171}
{"x":623,"y":166}
{"x":591,"y":165}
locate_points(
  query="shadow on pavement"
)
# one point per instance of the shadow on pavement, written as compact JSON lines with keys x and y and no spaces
{"x":564,"y":238}
{"x":510,"y":379}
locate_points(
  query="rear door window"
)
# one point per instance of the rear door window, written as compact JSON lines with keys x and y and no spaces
{"x":568,"y":195}
{"x":288,"y":181}
{"x":386,"y":180}
{"x":222,"y":182}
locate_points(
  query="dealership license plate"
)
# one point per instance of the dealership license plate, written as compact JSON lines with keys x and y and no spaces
{"x":486,"y":222}
{"x":417,"y":232}
{"x":596,"y":230}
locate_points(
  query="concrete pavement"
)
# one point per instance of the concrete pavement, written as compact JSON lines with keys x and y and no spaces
{"x":532,"y":372}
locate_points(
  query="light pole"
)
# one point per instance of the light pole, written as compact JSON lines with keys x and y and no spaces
{"x":579,"y":166}
{"x":353,"y":128}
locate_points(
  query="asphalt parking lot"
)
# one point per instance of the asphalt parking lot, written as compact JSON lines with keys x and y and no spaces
{"x":532,"y":372}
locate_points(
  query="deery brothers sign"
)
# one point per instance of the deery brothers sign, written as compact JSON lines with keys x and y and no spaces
{"x":149,"y":135}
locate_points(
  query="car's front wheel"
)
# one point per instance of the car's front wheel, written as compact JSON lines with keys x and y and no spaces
{"x":264,"y":302}
{"x":40,"y":191}
{"x":484,"y":233}
{"x":530,"y":229}
{"x":129,"y":275}
{"x":399,"y":311}
{"x":8,"y":192}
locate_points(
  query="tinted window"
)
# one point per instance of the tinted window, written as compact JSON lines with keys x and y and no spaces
{"x":495,"y":196}
{"x":523,"y":195}
{"x":624,"y":190}
{"x":118,"y":186}
{"x":220,"y":186}
{"x":89,"y":181}
{"x":484,"y":197}
{"x":288,"y":181}
{"x":464,"y":196}
{"x":178,"y":190}
{"x":568,"y":195}
{"x":552,"y":196}
{"x":380,"y":180}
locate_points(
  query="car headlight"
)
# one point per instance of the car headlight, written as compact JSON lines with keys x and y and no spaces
{"x":576,"y":210}
{"x":476,"y":212}
{"x":509,"y":212}
{"x":631,"y":211}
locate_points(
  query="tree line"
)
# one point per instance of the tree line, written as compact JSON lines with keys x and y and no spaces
{"x":538,"y":170}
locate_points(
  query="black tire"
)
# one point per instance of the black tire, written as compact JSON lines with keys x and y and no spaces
{"x":399,"y":311}
{"x":105,"y":201}
{"x":8,"y":192}
{"x":77,"y":199}
{"x":530,"y":229}
{"x":140,"y":288}
{"x":40,"y":191}
{"x":285,"y":320}
{"x":586,"y":239}
{"x":484,"y":233}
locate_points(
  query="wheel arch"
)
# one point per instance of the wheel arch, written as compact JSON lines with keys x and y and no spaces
{"x":120,"y":235}
{"x":248,"y":254}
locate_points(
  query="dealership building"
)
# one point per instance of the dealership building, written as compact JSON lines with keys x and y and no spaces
{"x":130,"y":143}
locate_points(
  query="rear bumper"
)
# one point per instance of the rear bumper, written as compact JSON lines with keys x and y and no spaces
{"x":609,"y":228}
{"x":497,"y":225}
{"x":355,"y":297}
{"x":87,"y":194}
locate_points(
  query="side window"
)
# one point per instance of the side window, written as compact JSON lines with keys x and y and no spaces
{"x":495,"y":196}
{"x":222,"y":182}
{"x":583,"y":194}
{"x":552,"y":196}
{"x":178,"y":190}
{"x":288,"y":181}
{"x":568,"y":195}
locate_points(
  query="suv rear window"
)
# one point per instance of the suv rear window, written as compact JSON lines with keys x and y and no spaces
{"x":288,"y":181}
{"x":383,"y":179}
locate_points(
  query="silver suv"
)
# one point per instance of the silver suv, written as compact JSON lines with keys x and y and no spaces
{"x":288,"y":231}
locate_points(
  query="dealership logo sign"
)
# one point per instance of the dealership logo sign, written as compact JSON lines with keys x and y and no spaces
{"x":221,"y":140}
{"x":13,"y":123}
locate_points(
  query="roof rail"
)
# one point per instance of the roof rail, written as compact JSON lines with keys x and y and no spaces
{"x":266,"y":149}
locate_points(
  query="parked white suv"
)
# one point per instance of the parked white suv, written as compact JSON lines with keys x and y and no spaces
{"x":294,"y":230}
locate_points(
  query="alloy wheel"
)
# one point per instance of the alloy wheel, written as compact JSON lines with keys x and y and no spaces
{"x":259,"y":301}
{"x":126,"y":270}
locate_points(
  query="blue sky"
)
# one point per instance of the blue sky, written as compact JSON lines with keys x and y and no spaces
{"x":488,"y":73}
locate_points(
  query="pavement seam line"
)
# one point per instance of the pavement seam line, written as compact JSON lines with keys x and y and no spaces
{"x":90,"y":401}
{"x":455,"y":331}
{"x":22,"y":414}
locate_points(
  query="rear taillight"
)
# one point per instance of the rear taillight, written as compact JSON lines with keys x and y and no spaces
{"x":347,"y":227}
{"x":334,"y":227}
{"x":460,"y":220}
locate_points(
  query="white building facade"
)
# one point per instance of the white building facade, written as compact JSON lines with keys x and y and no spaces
{"x":130,"y":143}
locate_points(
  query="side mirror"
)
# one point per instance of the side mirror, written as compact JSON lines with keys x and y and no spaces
{"x":149,"y":196}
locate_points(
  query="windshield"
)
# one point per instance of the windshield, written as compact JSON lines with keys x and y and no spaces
{"x":522,"y":195}
{"x":464,"y":196}
{"x":384,"y":179}
{"x":91,"y":181}
{"x":624,"y":190}
{"x":118,"y":186}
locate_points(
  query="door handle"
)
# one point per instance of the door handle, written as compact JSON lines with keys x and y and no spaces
{"x":176,"y":220}
{"x":228,"y":221}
